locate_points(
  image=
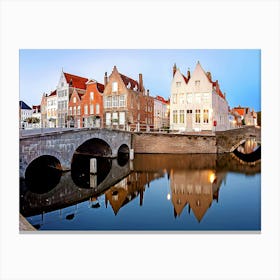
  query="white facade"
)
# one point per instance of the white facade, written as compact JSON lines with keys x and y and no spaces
{"x":62,"y":99}
{"x":160,"y":113}
{"x":52,"y":110}
{"x":196,"y":103}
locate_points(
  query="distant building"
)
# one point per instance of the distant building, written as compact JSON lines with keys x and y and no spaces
{"x":248,"y":117}
{"x":52,"y":109}
{"x":75,"y":114}
{"x":197,"y":102}
{"x":25,"y":112}
{"x":66,"y":85}
{"x":127,"y":105}
{"x":92,"y":104}
{"x":161,"y":112}
{"x":44,"y":119}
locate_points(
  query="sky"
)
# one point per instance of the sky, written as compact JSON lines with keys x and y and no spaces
{"x":238,"y":70}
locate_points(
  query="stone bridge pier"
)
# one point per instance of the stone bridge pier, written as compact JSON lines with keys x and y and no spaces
{"x":62,"y":145}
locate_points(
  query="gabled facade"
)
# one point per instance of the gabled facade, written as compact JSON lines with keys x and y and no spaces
{"x":75,"y":113}
{"x":161,"y":113}
{"x":65,"y":87}
{"x":52,"y":109}
{"x":197,"y":102}
{"x":127,"y":105}
{"x":92,"y":104}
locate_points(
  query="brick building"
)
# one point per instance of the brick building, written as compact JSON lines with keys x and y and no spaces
{"x":127,"y":105}
{"x":92,"y":104}
{"x":44,"y":119}
{"x":75,"y":114}
{"x":161,"y":112}
{"x":247,"y":116}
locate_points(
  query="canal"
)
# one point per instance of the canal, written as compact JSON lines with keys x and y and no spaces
{"x":152,"y":192}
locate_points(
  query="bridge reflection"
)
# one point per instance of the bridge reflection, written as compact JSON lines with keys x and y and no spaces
{"x":194,"y":182}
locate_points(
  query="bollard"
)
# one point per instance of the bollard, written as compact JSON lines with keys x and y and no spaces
{"x":131,"y":154}
{"x":93,"y":166}
{"x":93,"y":181}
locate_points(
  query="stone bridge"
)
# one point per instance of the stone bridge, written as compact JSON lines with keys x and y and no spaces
{"x":63,"y":144}
{"x":228,"y":141}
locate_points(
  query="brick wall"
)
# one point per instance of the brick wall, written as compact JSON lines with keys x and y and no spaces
{"x":173,"y":143}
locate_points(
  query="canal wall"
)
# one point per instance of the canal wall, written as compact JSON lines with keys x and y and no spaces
{"x":157,"y":143}
{"x":218,"y":142}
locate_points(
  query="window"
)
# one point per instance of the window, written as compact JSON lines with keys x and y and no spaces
{"x":189,"y":98}
{"x":70,"y":110}
{"x":205,"y":98}
{"x":189,"y":111}
{"x":182,"y":117}
{"x":97,"y":110}
{"x":197,"y":83}
{"x":108,"y":101}
{"x":108,"y":118}
{"x":198,"y":98}
{"x":122,"y":101}
{"x":91,"y":95}
{"x":181,"y":100}
{"x":115,"y":117}
{"x":178,"y":84}
{"x":75,"y":111}
{"x":115,"y":101}
{"x":175,"y":99}
{"x":197,"y":116}
{"x":79,"y":110}
{"x":175,"y":117}
{"x":122,"y":118}
{"x":86,"y":109}
{"x":91,"y":109}
{"x":114,"y":87}
{"x":206,"y":116}
{"x":74,"y":100}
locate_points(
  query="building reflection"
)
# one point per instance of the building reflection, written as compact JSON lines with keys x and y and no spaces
{"x":195,"y":189}
{"x":128,"y":189}
{"x":249,"y":146}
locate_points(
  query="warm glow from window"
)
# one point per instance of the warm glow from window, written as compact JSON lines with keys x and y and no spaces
{"x":212,"y":178}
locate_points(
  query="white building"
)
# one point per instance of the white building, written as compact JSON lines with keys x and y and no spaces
{"x":52,"y":109}
{"x":65,"y":87}
{"x":25,"y":112}
{"x":197,"y":102}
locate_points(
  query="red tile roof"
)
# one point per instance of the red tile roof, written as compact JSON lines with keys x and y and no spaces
{"x":128,"y":80}
{"x":240,"y":111}
{"x":76,"y":81}
{"x":100,"y":87}
{"x":186,"y":79}
{"x":161,"y":99}
{"x":53,"y":93}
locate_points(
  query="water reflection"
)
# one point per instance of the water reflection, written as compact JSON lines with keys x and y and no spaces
{"x":179,"y":183}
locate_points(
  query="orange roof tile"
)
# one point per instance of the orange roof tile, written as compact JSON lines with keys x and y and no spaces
{"x":76,"y":81}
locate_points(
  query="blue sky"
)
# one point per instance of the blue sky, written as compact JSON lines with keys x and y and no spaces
{"x":238,"y":71}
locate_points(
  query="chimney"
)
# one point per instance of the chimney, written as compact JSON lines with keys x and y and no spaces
{"x":209,"y":76}
{"x":140,"y":82}
{"x":148,"y":92}
{"x":188,"y":73}
{"x":174,"y":69}
{"x":105,"y":79}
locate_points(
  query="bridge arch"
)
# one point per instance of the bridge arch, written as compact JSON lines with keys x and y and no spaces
{"x":96,"y":147}
{"x":43,"y":174}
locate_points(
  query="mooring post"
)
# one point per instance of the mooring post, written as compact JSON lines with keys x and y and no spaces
{"x":131,"y":154}
{"x":93,"y":166}
{"x":93,"y":181}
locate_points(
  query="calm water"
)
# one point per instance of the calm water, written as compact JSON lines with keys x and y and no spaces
{"x":153,"y":192}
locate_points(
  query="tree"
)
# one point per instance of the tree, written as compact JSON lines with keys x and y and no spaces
{"x":32,"y":120}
